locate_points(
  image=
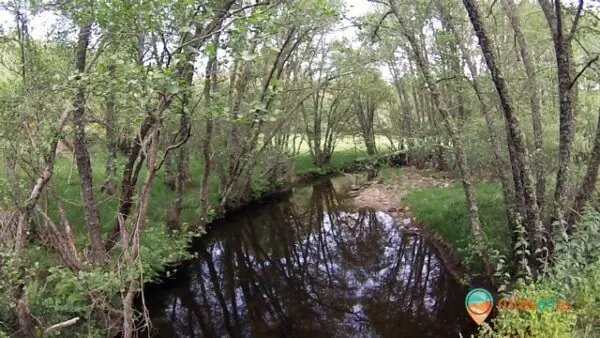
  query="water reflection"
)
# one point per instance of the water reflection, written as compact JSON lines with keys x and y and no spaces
{"x":311,"y":267}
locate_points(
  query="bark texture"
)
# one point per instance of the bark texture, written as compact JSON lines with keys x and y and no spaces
{"x":518,"y":152}
{"x":566,"y":93}
{"x":82,"y":155}
{"x":534,"y":91}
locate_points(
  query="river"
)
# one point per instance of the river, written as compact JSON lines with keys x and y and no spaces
{"x":310,"y":265}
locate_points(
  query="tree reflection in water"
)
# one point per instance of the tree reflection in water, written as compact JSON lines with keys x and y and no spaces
{"x":311,"y":270}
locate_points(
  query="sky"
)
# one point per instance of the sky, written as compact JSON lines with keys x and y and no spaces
{"x":41,"y":24}
{"x":355,"y":8}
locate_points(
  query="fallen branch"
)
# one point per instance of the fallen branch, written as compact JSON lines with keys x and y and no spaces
{"x":61,"y":325}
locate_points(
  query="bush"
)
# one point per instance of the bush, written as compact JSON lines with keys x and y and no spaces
{"x":523,"y":323}
{"x":574,"y":277}
{"x":55,"y":294}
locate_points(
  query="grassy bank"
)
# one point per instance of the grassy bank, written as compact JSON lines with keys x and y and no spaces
{"x":444,"y":210}
{"x":572,"y":279}
{"x":56,"y":295}
{"x":66,"y":181}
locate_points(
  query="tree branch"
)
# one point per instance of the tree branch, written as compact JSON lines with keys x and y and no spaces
{"x":576,"y":21}
{"x":588,"y":64}
{"x":491,"y":9}
{"x":61,"y":325}
{"x":174,"y":146}
{"x":379,"y":23}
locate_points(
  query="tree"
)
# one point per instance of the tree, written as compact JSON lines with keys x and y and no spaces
{"x":486,"y":111}
{"x":423,"y":63}
{"x":366,"y":104}
{"x":518,"y":151}
{"x":538,"y":132}
{"x":82,"y":154}
{"x":566,"y":96}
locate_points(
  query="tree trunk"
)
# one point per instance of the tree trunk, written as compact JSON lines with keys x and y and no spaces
{"x":130,"y":172}
{"x":209,"y":85}
{"x":532,"y":84}
{"x":589,"y":183}
{"x":564,"y":61}
{"x":170,"y":172}
{"x":520,"y":155}
{"x":404,"y":100}
{"x":183,"y":160}
{"x":132,"y":249}
{"x":183,"y":167}
{"x":110,"y":121}
{"x":82,"y":155}
{"x":407,"y":120}
{"x":423,"y":63}
{"x":364,"y":107}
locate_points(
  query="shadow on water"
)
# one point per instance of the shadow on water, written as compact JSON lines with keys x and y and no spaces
{"x":310,"y":267}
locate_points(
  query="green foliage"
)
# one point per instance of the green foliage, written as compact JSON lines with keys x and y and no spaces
{"x":524,"y":323}
{"x":9,"y":277}
{"x":340,"y":159}
{"x":445,"y":211}
{"x":56,"y":294}
{"x":261,"y":187}
{"x":574,"y":278}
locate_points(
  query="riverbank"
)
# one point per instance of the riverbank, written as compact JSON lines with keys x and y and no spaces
{"x":388,"y":192}
{"x":59,"y":295}
{"x":432,"y":202}
{"x":434,"y":206}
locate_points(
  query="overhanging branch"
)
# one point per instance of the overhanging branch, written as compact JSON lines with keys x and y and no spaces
{"x":576,"y":21}
{"x":587,"y":65}
{"x":379,"y":23}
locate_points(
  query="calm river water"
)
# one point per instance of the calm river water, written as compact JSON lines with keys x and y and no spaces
{"x":310,"y":266}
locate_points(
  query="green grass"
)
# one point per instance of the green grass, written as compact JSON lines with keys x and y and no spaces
{"x":355,"y":143}
{"x":162,"y":198}
{"x":444,"y":210}
{"x":339,"y":160}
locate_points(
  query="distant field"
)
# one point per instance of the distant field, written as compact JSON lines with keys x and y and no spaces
{"x":349,"y":143}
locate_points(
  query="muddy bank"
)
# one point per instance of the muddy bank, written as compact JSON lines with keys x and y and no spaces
{"x":388,"y":194}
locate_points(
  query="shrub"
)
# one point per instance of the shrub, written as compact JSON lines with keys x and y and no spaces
{"x":574,"y":277}
{"x":55,"y":294}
